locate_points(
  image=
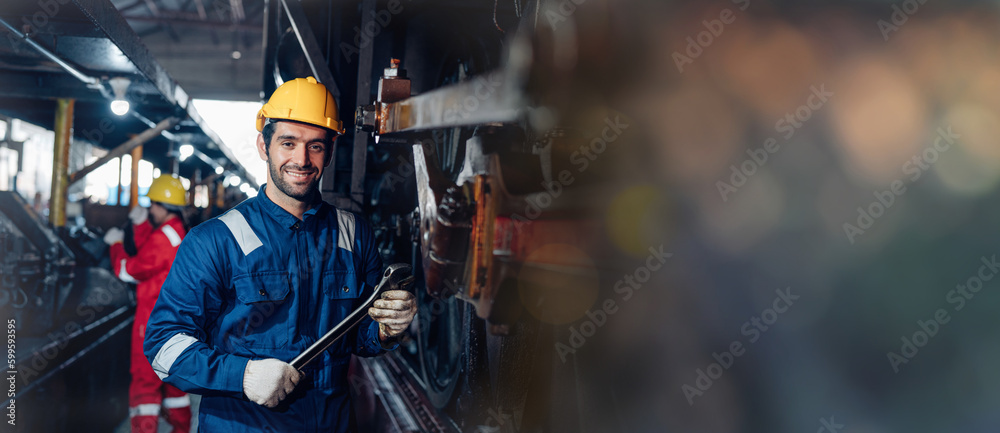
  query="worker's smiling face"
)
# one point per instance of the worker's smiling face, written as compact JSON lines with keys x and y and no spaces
{"x":296,"y":156}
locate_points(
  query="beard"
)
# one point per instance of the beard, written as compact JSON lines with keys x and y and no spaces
{"x":296,"y":191}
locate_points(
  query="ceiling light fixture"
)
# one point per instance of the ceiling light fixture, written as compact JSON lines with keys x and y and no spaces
{"x":186,"y":150}
{"x":119,"y":85}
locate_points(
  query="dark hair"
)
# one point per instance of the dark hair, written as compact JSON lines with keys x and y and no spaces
{"x":178,"y":211}
{"x":268,"y":133}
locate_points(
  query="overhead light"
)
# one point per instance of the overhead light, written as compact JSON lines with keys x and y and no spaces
{"x":119,"y":85}
{"x":248,"y":190}
{"x":119,"y":107}
{"x":186,"y":150}
{"x":219,"y":170}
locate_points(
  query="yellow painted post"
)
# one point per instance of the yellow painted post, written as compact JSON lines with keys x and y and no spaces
{"x":60,"y":161}
{"x":220,"y":195}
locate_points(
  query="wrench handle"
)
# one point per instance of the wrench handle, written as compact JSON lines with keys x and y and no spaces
{"x":390,"y":281}
{"x":337,"y":332}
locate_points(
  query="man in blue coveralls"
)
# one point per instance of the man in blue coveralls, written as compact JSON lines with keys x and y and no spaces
{"x":251,"y":289}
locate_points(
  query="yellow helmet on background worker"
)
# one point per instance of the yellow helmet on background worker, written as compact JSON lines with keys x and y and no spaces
{"x":169,"y":190}
{"x":302,"y":100}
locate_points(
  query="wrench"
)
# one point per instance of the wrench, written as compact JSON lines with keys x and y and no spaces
{"x":397,"y":276}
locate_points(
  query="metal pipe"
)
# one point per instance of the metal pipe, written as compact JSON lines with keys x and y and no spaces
{"x":195,"y":181}
{"x":183,"y":21}
{"x":310,"y":48}
{"x":151,"y":124}
{"x":133,"y":188}
{"x":175,"y":158}
{"x":60,"y":162}
{"x":211,"y":162}
{"x":125,"y":147}
{"x":91,"y":82}
{"x":121,"y":188}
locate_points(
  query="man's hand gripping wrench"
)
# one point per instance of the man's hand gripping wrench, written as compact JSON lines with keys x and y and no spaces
{"x":398,"y":276}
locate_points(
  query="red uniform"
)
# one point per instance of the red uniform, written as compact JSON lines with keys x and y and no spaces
{"x":149,"y":268}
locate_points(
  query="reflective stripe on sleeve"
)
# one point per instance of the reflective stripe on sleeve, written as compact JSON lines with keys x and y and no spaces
{"x":245,"y":237}
{"x":169,"y":352}
{"x":176,"y":402}
{"x":151,"y":409}
{"x":175,"y":239}
{"x":345,"y":230}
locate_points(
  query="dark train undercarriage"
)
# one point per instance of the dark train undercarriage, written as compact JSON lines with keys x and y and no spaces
{"x":468,"y":178}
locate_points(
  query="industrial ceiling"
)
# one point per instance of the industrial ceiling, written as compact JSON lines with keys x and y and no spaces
{"x":54,"y":49}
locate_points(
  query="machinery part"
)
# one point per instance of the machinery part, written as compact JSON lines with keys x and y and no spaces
{"x":485,"y":99}
{"x":302,"y":100}
{"x":397,"y":276}
{"x":475,"y":248}
{"x":366,"y":117}
{"x":392,"y":86}
{"x":393,"y":395}
{"x":439,"y":346}
{"x":20,"y":213}
{"x":88,"y":361}
{"x":169,"y":190}
{"x":444,"y":226}
{"x":481,"y":287}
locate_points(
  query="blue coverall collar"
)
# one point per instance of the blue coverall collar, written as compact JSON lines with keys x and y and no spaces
{"x":282,"y":216}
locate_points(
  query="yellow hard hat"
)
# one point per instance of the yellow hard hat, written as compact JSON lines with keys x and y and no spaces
{"x":168,"y":189}
{"x":302,"y":100}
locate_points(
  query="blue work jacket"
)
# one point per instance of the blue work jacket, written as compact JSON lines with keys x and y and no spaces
{"x":257,"y":283}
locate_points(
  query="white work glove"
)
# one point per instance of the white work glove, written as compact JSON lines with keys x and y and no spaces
{"x":268,"y":381}
{"x":138,"y":215}
{"x":393,"y":312}
{"x":114,"y":235}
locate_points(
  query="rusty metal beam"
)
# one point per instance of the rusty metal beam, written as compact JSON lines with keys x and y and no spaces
{"x":125,"y":147}
{"x":484,"y":99}
{"x":133,"y":187}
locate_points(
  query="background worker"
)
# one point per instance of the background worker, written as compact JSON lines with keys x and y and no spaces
{"x":256,"y":286}
{"x":156,"y":243}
